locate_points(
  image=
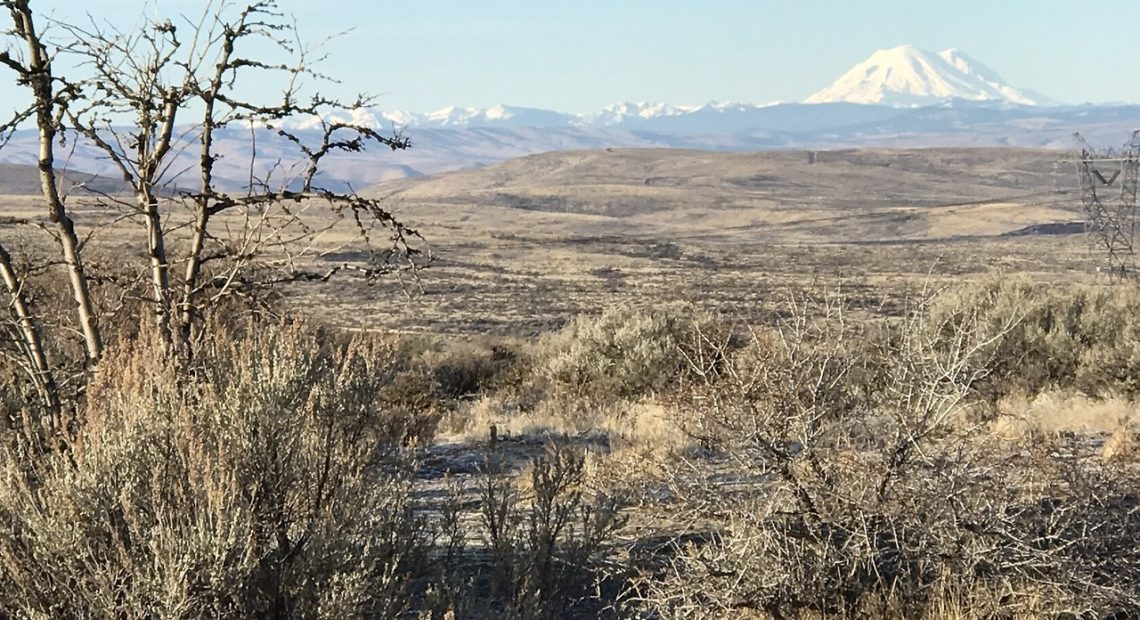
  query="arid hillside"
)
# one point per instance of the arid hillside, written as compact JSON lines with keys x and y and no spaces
{"x":828,"y":196}
{"x":22,"y":179}
{"x":523,"y":245}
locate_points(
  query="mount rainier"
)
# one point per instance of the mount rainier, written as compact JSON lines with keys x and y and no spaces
{"x":907,"y":76}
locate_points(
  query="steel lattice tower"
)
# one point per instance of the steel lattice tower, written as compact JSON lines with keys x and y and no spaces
{"x":1108,"y":193}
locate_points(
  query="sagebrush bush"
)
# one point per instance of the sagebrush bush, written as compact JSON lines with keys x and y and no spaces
{"x":619,"y":353}
{"x":626,"y":352}
{"x":267,"y":483}
{"x":1054,"y":336}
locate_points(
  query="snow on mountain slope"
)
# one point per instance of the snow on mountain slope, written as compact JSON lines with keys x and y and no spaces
{"x":497,"y":116}
{"x":907,"y":76}
{"x":629,"y":112}
{"x":451,"y":117}
{"x":970,"y":66}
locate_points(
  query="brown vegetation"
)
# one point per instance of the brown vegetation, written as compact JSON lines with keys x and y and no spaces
{"x":268,"y":485}
{"x":816,"y":465}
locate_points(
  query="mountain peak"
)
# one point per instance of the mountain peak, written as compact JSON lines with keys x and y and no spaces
{"x":908,"y":76}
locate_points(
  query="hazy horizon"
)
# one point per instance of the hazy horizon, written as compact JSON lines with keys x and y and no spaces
{"x":581,"y":56}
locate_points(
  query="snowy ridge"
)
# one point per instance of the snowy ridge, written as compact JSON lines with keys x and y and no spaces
{"x":958,"y":122}
{"x":900,"y":77}
{"x":626,"y":114}
{"x":628,"y":111}
{"x":452,"y":117}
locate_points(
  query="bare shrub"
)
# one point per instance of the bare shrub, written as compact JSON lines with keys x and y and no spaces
{"x":861,"y":485}
{"x":266,"y":484}
{"x":548,"y":541}
{"x":540,"y":548}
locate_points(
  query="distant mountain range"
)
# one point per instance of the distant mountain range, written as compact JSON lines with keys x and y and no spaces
{"x":899,"y":77}
{"x":901,"y":97}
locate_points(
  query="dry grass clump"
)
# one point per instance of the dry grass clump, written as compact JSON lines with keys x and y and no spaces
{"x":1064,"y":412}
{"x":266,"y":483}
{"x":1123,"y":445}
{"x":646,"y":426}
{"x":549,"y":538}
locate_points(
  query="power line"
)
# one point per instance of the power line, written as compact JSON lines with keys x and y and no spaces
{"x":1108,"y":181}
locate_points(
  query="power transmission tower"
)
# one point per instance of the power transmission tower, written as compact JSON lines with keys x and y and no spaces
{"x":1108,"y":193}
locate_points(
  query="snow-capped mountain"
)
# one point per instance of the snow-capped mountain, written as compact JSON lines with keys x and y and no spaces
{"x":452,"y":117}
{"x":907,"y":76}
{"x":900,"y":77}
{"x":628,"y":111}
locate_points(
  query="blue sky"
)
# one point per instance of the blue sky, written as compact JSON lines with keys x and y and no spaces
{"x":578,"y":56}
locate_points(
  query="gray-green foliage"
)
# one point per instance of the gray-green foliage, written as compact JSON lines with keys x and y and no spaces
{"x":624,"y":352}
{"x":1084,"y":337}
{"x":265,"y":486}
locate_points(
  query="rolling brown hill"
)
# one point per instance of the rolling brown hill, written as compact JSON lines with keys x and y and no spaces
{"x":522,"y":245}
{"x":24,"y":180}
{"x":837,"y":196}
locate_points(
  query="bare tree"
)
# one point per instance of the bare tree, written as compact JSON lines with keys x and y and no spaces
{"x":144,"y":98}
{"x":35,"y":72}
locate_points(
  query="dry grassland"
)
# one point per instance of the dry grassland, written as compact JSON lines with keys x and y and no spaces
{"x":526,"y":244}
{"x":522,"y":246}
{"x":654,"y":384}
